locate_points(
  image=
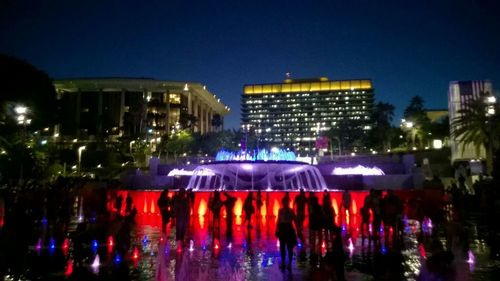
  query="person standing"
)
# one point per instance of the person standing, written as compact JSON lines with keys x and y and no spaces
{"x":181,"y":210}
{"x":329,"y":216}
{"x":300,"y":209}
{"x":215,"y":205}
{"x":249,"y":209}
{"x":229,"y":204}
{"x":286,"y":232}
{"x":346,"y":204}
{"x":315,"y":227}
{"x":259,"y":203}
{"x":128,"y":204}
{"x":118,"y":204}
{"x":164,"y":207}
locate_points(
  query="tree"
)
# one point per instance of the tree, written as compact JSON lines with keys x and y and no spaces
{"x":415,"y":113}
{"x":22,"y":83}
{"x":382,"y":131}
{"x":188,"y":121}
{"x":177,"y":143}
{"x":217,"y":122}
{"x":349,"y":133}
{"x":475,"y":125}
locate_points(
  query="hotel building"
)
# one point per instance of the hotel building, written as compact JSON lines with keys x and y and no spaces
{"x":116,"y":107}
{"x":292,"y":114}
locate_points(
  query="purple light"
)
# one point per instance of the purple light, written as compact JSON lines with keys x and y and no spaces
{"x":471,"y":259}
{"x":358,"y":170}
{"x":247,"y":167}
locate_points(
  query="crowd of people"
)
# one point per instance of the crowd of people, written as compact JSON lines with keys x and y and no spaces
{"x":312,"y":223}
{"x":324,"y":225}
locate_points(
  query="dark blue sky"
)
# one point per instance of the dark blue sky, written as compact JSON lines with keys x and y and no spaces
{"x":407,"y":47}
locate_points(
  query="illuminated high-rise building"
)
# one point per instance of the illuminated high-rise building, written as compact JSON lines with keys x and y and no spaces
{"x":292,"y":114}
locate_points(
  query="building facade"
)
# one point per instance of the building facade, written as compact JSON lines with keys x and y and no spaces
{"x":135,"y":107}
{"x":460,"y":93}
{"x":293,"y":114}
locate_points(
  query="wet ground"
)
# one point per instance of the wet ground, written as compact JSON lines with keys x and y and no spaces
{"x":250,"y":254}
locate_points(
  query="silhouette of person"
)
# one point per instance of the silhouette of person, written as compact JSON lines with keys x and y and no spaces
{"x":181,"y":210}
{"x":229,"y":204}
{"x":118,"y":204}
{"x":329,"y":217}
{"x":286,"y":232}
{"x":259,"y":203}
{"x":248,"y":208}
{"x":128,"y":204}
{"x":215,"y":206}
{"x":164,"y":205}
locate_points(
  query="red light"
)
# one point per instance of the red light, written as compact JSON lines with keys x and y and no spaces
{"x":110,"y":241}
{"x":69,"y":268}
{"x":65,"y":244}
{"x":135,"y":254}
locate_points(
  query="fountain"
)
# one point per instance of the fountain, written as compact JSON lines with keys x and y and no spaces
{"x":261,"y":170}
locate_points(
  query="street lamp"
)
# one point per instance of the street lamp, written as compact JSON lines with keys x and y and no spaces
{"x":21,"y":112}
{"x":80,"y":149}
{"x":246,"y":130}
{"x":490,"y":112}
{"x":408,"y":125}
{"x":130,"y":146}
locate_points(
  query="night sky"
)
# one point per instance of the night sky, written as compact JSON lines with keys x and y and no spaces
{"x":407,"y":47}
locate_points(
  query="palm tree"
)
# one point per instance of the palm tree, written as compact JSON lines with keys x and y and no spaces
{"x":475,"y":125}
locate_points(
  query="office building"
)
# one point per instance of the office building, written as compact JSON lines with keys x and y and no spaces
{"x":114,"y":107}
{"x":292,"y":114}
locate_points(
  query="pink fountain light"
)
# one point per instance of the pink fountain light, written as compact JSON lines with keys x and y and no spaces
{"x":358,"y":170}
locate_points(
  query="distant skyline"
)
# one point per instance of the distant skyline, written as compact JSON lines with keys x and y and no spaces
{"x":407,"y":48}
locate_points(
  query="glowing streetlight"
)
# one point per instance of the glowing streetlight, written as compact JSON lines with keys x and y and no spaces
{"x":21,"y":110}
{"x":80,"y":149}
{"x":130,"y":146}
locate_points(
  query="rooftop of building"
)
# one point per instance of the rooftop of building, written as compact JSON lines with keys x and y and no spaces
{"x":139,"y":84}
{"x":320,"y":84}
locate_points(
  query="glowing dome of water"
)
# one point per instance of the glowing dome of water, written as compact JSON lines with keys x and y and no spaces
{"x":274,"y":169}
{"x":255,"y":175}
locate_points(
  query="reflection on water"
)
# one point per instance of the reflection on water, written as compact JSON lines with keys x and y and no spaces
{"x":251,"y":254}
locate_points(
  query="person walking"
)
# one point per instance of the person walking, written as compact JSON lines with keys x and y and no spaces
{"x":286,"y":232}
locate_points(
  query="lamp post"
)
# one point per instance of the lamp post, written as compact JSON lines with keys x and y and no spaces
{"x":130,"y":146}
{"x":490,"y":112}
{"x":408,"y":125}
{"x":80,"y":149}
{"x":21,"y":112}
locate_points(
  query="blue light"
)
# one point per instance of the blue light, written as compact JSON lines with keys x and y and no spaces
{"x":52,"y":244}
{"x":44,"y":221}
{"x":383,"y":250}
{"x":274,"y":154}
{"x":94,"y":245}
{"x":118,"y":259}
